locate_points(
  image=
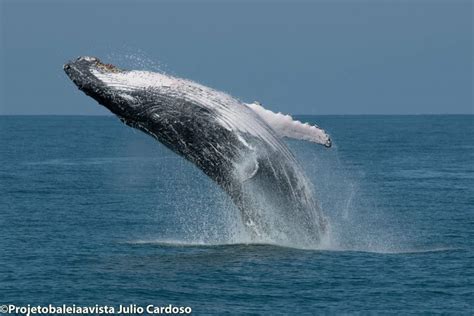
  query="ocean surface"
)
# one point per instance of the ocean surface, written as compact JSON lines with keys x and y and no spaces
{"x":93,"y":212}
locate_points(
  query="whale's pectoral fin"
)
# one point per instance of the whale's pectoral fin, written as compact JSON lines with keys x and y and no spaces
{"x":286,"y":126}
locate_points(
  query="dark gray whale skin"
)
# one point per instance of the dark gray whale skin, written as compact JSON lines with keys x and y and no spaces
{"x":270,"y":189}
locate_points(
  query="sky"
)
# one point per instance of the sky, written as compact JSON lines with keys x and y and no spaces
{"x":297,"y":57}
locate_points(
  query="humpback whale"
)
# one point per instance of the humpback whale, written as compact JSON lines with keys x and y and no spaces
{"x":238,"y":145}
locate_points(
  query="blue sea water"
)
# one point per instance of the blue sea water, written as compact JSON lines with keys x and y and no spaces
{"x":93,"y":212}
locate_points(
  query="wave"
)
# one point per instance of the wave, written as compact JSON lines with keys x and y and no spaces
{"x":172,"y":243}
{"x":93,"y":161}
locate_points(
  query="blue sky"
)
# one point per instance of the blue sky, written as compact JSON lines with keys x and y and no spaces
{"x":312,"y":57}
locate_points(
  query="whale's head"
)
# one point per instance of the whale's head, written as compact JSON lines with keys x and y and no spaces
{"x":103,"y":83}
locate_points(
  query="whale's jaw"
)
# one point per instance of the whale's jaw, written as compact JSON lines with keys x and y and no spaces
{"x":80,"y":72}
{"x":84,"y":71}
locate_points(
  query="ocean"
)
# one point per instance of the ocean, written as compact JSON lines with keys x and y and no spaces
{"x":93,"y":212}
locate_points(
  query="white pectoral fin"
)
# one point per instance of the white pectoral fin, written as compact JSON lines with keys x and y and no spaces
{"x":286,"y":126}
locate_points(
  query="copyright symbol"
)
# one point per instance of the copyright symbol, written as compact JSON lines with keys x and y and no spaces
{"x":3,"y":309}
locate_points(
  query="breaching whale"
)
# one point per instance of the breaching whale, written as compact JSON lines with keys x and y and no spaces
{"x":237,"y":145}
